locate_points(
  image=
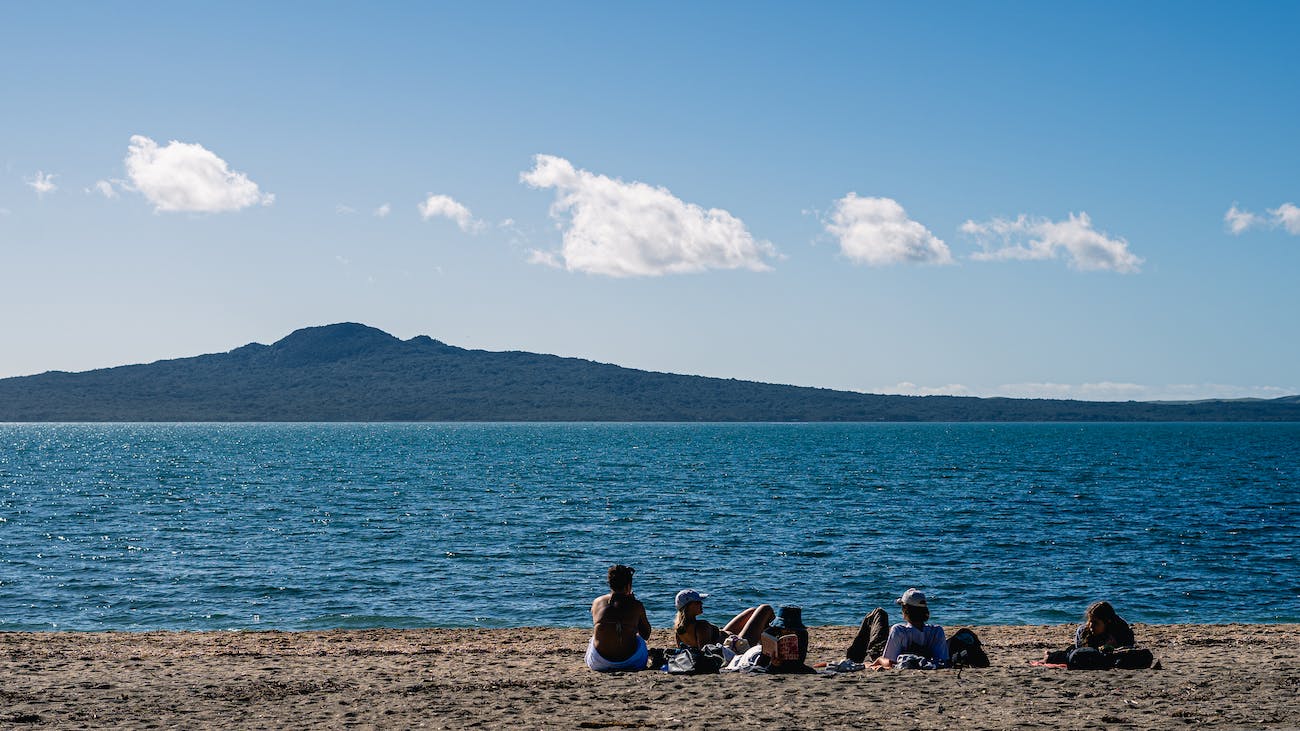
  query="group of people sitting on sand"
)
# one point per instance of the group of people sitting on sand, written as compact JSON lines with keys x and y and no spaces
{"x":753,"y":638}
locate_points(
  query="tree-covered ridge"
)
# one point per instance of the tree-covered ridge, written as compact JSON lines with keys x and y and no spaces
{"x":351,"y":372}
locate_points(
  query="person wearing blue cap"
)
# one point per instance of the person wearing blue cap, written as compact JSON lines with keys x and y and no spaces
{"x":783,"y":656}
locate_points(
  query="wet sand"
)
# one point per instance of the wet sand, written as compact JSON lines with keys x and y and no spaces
{"x":1225,"y":676}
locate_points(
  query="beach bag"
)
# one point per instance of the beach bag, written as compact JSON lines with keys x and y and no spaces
{"x":1088,"y":658}
{"x":966,"y":651}
{"x":1132,"y":658}
{"x":690,"y":661}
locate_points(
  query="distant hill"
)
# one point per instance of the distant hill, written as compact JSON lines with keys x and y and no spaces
{"x":351,"y":372}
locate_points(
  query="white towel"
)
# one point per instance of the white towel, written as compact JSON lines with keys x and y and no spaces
{"x":601,"y":665}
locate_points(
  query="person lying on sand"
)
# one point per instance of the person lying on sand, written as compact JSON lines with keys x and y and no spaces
{"x":1103,"y":641}
{"x":1102,"y":627}
{"x":620,"y":626}
{"x":692,"y":631}
{"x":910,"y":637}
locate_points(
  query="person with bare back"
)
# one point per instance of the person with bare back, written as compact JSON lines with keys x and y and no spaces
{"x":620,"y":626}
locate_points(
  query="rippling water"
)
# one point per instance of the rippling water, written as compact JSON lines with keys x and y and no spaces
{"x":128,"y":526}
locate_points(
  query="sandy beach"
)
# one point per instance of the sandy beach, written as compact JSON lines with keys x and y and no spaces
{"x":1227,"y":676}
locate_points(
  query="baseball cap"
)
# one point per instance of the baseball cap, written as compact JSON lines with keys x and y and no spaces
{"x":912,"y":598}
{"x":686,"y":596}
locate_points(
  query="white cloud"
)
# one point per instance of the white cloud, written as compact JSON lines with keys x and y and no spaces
{"x":343,"y":210}
{"x":188,"y":177}
{"x":5,"y":212}
{"x":622,"y":229}
{"x":1100,"y":391}
{"x":1041,"y":238}
{"x":42,"y":183}
{"x":1238,"y":220}
{"x":104,"y":188}
{"x":1287,"y":216}
{"x":877,"y":232}
{"x":907,"y":388}
{"x":444,"y":206}
{"x":383,"y":211}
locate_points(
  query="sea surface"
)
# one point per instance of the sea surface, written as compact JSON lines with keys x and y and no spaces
{"x":309,"y":526}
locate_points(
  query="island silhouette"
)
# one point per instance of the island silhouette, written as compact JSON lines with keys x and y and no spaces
{"x":353,"y":372}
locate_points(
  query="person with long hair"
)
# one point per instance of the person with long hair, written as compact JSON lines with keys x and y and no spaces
{"x":692,"y":631}
{"x":1103,"y":627}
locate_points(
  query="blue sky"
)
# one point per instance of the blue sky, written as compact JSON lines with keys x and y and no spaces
{"x":1005,"y":199}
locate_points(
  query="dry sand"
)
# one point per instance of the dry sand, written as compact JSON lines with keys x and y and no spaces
{"x":1231,"y":676}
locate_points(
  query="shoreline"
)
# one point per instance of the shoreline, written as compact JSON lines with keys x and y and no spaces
{"x":1224,"y":675}
{"x":948,"y":626}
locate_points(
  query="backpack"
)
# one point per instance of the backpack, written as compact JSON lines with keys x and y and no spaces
{"x":1132,"y":658}
{"x":690,"y":661}
{"x":966,"y":651}
{"x":1088,"y":658}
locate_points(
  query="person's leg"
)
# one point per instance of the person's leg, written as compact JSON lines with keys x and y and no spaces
{"x":737,"y":622}
{"x":870,"y":640}
{"x":759,"y":618}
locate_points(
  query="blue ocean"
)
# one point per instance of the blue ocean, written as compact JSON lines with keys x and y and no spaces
{"x":309,"y":526}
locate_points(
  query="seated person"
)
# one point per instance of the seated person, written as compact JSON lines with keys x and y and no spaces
{"x":1102,"y":628}
{"x":620,"y":626}
{"x":912,"y":636}
{"x":692,"y":631}
{"x":785,"y":642}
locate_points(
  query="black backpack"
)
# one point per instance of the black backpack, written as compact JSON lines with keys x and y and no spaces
{"x":1124,"y":658}
{"x":965,"y":650}
{"x":1088,"y":658}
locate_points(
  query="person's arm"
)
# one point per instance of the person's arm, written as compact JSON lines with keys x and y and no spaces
{"x":643,"y":623}
{"x":1078,"y":635}
{"x":939,"y":646}
{"x":595,"y":607}
{"x":893,"y":648}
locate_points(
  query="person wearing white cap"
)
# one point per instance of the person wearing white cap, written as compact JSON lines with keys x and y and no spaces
{"x":913,"y":636}
{"x":692,"y":631}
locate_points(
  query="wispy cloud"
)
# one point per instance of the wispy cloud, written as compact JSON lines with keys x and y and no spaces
{"x":444,"y":206}
{"x":42,"y":183}
{"x":1238,"y":221}
{"x":907,"y":388}
{"x":1285,"y":216}
{"x":182,"y":176}
{"x":632,"y":229}
{"x":383,"y":211}
{"x":106,"y":188}
{"x":877,"y":232}
{"x":1100,"y":391}
{"x":1033,"y":238}
{"x":344,"y":210}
